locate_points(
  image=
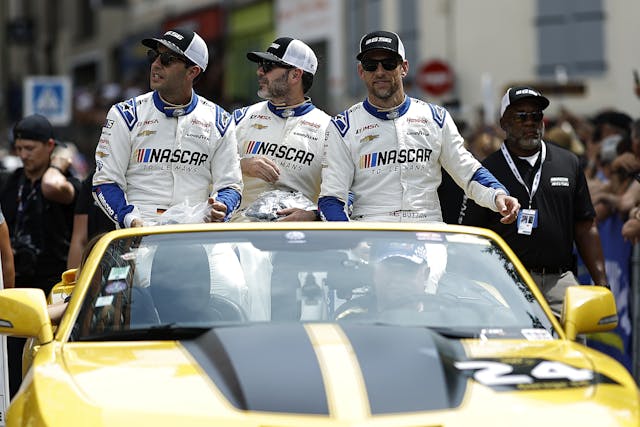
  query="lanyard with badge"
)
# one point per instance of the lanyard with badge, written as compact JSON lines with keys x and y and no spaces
{"x":527,"y":218}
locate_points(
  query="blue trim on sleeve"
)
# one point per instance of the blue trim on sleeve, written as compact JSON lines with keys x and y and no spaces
{"x":332,"y":209}
{"x":486,"y":178}
{"x":111,"y":199}
{"x":231,"y":198}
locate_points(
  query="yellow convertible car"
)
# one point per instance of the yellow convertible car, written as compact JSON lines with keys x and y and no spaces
{"x":314,"y":324}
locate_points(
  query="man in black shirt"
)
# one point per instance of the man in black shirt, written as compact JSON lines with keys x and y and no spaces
{"x":556,"y":206}
{"x":37,"y":201}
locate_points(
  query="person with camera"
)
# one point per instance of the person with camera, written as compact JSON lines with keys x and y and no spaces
{"x":38,"y":201}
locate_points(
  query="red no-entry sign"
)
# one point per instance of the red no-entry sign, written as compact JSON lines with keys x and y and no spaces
{"x":435,"y":77}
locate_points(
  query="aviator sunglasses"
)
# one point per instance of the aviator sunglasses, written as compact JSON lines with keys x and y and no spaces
{"x":522,"y":116}
{"x":267,"y":65}
{"x":388,"y":64}
{"x":166,"y":58}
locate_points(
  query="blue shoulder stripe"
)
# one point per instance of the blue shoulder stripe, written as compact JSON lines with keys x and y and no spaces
{"x":439,"y":114}
{"x":222,"y":120}
{"x":240,"y":114}
{"x":341,"y":122}
{"x":128,"y":111}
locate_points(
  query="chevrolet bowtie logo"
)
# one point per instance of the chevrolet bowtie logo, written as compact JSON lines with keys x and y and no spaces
{"x":369,"y":138}
{"x":101,"y":154}
{"x":258,"y":126}
{"x":147,"y":133}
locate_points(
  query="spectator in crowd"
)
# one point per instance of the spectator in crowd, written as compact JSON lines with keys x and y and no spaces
{"x":38,"y":201}
{"x":290,"y":129}
{"x":396,"y":178}
{"x":553,"y":188}
{"x":631,"y":198}
{"x":169,"y":145}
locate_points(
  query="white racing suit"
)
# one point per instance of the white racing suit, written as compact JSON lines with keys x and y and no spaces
{"x":152,"y":156}
{"x":293,"y":137}
{"x":391,"y":161}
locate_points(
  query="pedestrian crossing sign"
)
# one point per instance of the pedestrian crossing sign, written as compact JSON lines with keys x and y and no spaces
{"x":49,"y":96}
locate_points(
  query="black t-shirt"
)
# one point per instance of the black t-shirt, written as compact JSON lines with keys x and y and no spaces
{"x":562,"y":199}
{"x":97,"y":221}
{"x":40,"y":231}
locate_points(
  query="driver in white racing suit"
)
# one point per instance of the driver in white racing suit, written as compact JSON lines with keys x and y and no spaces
{"x":170,"y":145}
{"x":389,"y":149}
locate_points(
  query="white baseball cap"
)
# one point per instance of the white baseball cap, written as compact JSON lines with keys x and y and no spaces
{"x":185,"y":42}
{"x":288,"y":51}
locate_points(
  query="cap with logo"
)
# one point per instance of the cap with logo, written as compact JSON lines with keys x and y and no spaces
{"x":386,"y":40}
{"x":517,"y":93}
{"x":288,"y":51}
{"x":35,"y":127}
{"x":415,"y":253}
{"x":185,"y":42}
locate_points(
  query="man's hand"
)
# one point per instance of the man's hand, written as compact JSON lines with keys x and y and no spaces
{"x":260,"y":167}
{"x":296,"y":214}
{"x":508,"y":207}
{"x":137,"y":223}
{"x":631,"y":228}
{"x":218,"y":210}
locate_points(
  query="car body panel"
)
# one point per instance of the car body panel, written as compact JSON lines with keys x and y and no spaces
{"x":323,"y":372}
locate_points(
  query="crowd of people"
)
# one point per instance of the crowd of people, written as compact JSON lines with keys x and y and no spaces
{"x":562,"y":191}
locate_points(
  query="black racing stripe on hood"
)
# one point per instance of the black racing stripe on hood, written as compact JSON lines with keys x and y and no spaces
{"x":407,"y":369}
{"x":263,"y":367}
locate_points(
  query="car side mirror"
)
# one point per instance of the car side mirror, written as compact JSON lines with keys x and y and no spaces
{"x":588,"y":309}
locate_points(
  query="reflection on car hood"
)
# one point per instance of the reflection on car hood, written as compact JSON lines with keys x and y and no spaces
{"x":348,"y":372}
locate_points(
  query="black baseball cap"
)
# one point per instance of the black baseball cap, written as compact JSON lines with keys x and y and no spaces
{"x":185,"y":42}
{"x":35,"y":127}
{"x":517,"y":93}
{"x":386,"y":40}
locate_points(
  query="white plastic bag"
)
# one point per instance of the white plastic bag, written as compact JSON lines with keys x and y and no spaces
{"x":183,"y":213}
{"x":265,"y":207}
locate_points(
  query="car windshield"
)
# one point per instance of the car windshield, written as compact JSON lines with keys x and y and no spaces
{"x":462,"y":285}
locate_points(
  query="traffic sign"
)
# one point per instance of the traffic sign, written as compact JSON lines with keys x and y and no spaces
{"x":435,"y":77}
{"x":49,"y":96}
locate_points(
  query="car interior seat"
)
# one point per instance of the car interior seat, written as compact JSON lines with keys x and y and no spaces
{"x":180,"y":285}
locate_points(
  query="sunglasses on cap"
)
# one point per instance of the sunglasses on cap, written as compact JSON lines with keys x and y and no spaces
{"x":388,"y":64}
{"x":522,"y":116}
{"x":166,"y":58}
{"x":267,"y":65}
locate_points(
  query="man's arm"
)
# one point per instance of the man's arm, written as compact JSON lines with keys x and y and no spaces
{"x":337,"y":175}
{"x":589,"y":247}
{"x":112,"y":161}
{"x":55,"y":185}
{"x":225,"y":167}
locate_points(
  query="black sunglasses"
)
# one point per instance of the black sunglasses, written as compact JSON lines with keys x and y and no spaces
{"x":267,"y":65}
{"x":522,"y":116}
{"x":166,"y":58}
{"x":388,"y":64}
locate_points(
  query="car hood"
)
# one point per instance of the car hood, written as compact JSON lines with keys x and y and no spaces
{"x":342,"y":373}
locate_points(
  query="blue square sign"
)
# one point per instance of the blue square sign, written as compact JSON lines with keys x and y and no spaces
{"x":49,"y":96}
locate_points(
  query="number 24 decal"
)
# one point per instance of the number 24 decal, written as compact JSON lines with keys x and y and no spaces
{"x":497,"y":373}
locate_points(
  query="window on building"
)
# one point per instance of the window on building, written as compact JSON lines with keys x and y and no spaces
{"x":85,"y":15}
{"x":570,"y":37}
